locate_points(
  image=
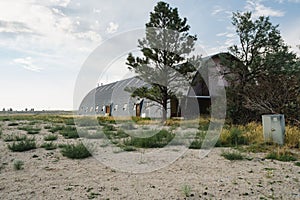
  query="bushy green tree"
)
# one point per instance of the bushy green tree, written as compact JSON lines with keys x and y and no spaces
{"x":266,"y":78}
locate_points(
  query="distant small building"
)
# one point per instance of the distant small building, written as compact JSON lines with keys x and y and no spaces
{"x":113,"y":100}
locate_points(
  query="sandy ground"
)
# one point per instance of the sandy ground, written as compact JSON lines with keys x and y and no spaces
{"x":49,"y":175}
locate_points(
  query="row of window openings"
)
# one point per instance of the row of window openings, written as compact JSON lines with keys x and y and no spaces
{"x":115,"y":108}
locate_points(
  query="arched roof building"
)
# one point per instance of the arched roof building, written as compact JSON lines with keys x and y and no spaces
{"x":114,"y":100}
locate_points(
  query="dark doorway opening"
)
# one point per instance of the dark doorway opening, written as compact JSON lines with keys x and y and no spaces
{"x":107,"y":110}
{"x":175,"y":108}
{"x":138,"y":110}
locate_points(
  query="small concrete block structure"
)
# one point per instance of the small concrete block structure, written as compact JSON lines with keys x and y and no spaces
{"x":274,"y":128}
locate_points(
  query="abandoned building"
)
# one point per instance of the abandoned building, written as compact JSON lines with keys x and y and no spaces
{"x":114,"y":100}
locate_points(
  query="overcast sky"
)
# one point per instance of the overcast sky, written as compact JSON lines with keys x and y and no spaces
{"x":44,"y":43}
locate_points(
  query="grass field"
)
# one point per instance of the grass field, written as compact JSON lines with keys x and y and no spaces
{"x":43,"y":145}
{"x":136,"y":132}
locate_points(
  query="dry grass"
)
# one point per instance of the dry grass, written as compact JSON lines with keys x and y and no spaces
{"x":253,"y":134}
{"x":292,"y":137}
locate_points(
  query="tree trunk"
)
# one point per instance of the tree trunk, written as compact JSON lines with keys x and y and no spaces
{"x":165,"y":107}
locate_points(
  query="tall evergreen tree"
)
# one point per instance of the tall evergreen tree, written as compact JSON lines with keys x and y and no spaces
{"x":165,"y":50}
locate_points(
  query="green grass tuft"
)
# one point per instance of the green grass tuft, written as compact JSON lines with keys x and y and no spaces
{"x":86,"y":121}
{"x":50,"y":137}
{"x":186,"y":190}
{"x":284,"y":157}
{"x":49,"y":146}
{"x":30,"y":130}
{"x":20,"y":146}
{"x":196,"y":144}
{"x":18,"y":164}
{"x":10,"y":138}
{"x":232,"y":155}
{"x":160,"y":139}
{"x":75,"y":151}
{"x":69,"y":132}
{"x":56,"y":128}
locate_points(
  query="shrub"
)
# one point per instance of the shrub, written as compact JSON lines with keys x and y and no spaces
{"x":297,"y":164}
{"x":121,"y":134}
{"x":236,"y":137}
{"x":140,"y":120}
{"x":172,"y":122}
{"x":256,"y":148}
{"x":161,"y":139}
{"x":69,"y":132}
{"x":69,"y":121}
{"x":233,"y":137}
{"x":30,"y":129}
{"x":86,"y":121}
{"x":24,"y":145}
{"x":13,"y":124}
{"x":48,"y":146}
{"x":18,"y":164}
{"x":75,"y":151}
{"x":108,"y":127}
{"x":284,"y":156}
{"x":47,"y":127}
{"x":56,"y":128}
{"x":105,"y":120}
{"x":50,"y":137}
{"x":10,"y":138}
{"x":196,"y":144}
{"x":232,"y":155}
{"x":128,"y":148}
{"x":33,"y":122}
{"x":4,"y":119}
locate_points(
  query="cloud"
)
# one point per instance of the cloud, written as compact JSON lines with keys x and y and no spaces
{"x":89,"y":35}
{"x":216,"y":10}
{"x":14,"y":27}
{"x":62,"y":3}
{"x":46,"y":27}
{"x":226,"y":34}
{"x":259,"y":9}
{"x":221,"y":13}
{"x":291,"y":1}
{"x":113,"y":27}
{"x":27,"y":63}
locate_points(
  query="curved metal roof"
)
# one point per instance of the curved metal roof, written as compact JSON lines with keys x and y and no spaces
{"x":113,"y":95}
